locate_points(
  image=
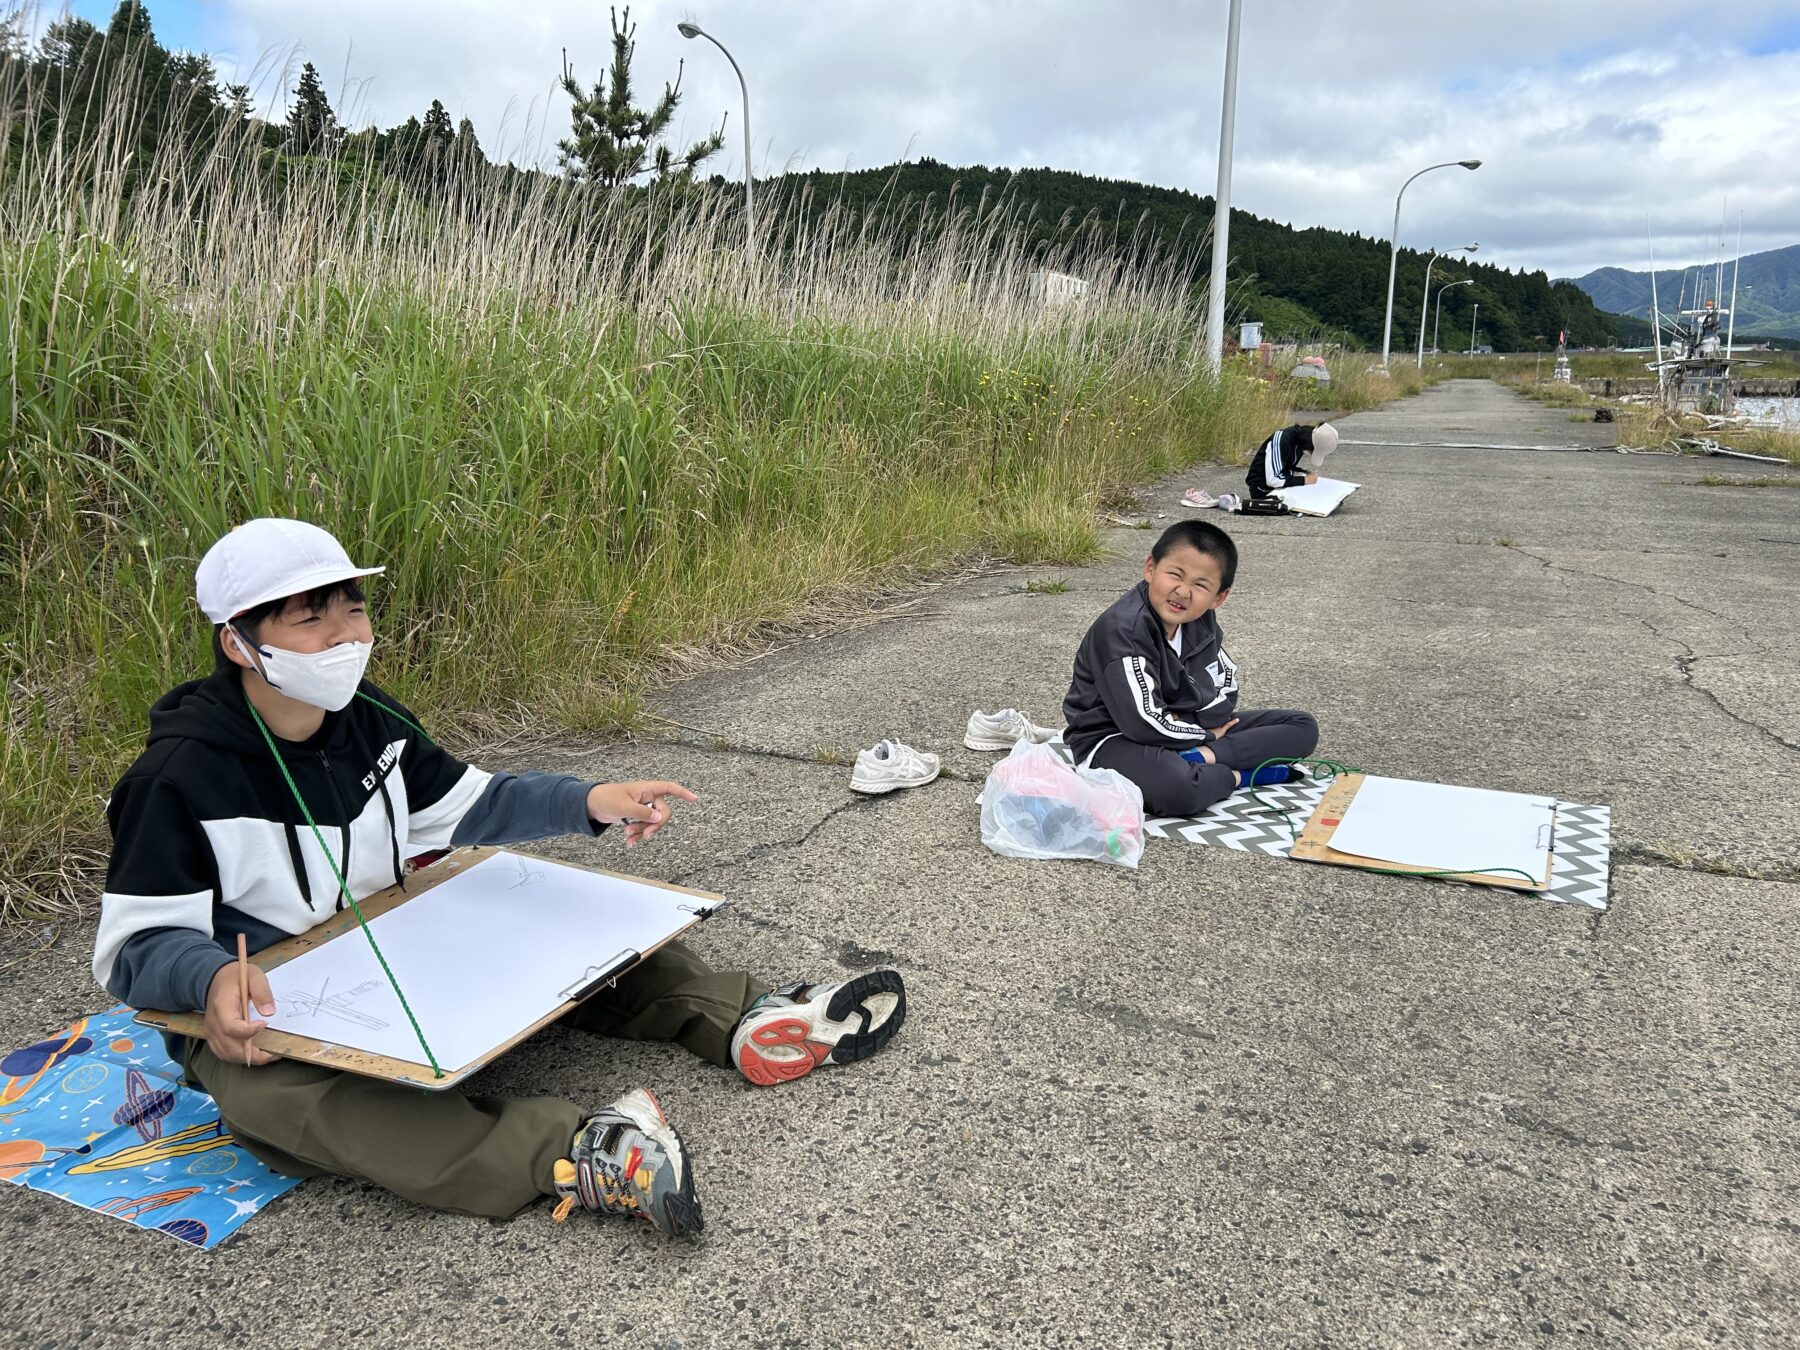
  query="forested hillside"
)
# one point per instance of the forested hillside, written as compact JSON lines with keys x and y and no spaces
{"x":1297,"y":281}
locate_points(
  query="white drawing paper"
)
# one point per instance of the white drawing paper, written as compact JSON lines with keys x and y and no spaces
{"x":1317,"y":499}
{"x":480,"y":957}
{"x":1448,"y":829}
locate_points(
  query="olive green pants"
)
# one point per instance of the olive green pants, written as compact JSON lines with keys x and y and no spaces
{"x":476,"y":1155}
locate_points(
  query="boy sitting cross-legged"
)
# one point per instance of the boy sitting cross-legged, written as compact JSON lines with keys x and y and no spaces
{"x":1154,"y":695}
{"x":213,"y":836}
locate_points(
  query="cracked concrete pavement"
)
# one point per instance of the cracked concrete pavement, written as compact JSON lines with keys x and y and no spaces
{"x":1223,"y":1099}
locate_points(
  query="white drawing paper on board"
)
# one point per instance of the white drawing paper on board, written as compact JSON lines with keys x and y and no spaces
{"x":1448,"y":829}
{"x":1317,"y":499}
{"x":480,"y":957}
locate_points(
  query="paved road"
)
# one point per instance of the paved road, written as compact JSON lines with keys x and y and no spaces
{"x":1224,"y":1099}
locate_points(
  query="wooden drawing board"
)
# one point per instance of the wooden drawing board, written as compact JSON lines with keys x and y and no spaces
{"x":415,"y":1074}
{"x":1314,"y":843}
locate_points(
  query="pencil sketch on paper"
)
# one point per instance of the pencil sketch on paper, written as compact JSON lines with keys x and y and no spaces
{"x":337,"y":1005}
{"x":528,"y":875}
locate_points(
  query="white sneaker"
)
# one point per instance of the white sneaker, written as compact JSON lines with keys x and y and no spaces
{"x":1197,"y":497}
{"x":1003,"y":730}
{"x":1228,"y":501}
{"x":887,"y":765}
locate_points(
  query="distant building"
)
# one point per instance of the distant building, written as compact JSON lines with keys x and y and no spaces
{"x":1054,"y":288}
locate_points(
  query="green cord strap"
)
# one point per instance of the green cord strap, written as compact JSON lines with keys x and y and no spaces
{"x":344,"y":886}
{"x":1336,"y":769}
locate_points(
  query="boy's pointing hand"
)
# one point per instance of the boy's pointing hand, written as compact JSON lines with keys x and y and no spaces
{"x":645,"y":805}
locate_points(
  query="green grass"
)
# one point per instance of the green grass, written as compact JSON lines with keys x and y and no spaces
{"x":1054,"y":586}
{"x":588,"y":469}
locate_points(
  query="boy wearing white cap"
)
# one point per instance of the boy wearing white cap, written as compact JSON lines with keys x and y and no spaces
{"x":283,"y":782}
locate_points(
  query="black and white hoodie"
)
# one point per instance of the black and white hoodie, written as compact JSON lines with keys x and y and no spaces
{"x":1276,"y":463}
{"x":208,"y":841}
{"x":1133,"y":681}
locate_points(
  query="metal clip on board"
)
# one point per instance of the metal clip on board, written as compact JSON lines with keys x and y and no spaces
{"x":594,"y":977}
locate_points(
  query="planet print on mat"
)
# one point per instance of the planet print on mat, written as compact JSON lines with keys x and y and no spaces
{"x":96,"y":1115}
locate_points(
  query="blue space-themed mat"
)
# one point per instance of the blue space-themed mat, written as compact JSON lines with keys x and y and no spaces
{"x":95,"y":1115}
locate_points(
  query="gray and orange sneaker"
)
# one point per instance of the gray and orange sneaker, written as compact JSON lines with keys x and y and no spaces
{"x":627,"y":1159}
{"x":790,"y":1032}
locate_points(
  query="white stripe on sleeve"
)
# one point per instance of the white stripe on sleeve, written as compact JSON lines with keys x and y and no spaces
{"x":1143,"y":687}
{"x":431,"y":826}
{"x":124,"y":916}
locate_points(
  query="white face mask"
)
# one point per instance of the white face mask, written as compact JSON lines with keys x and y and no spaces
{"x":326,"y":679}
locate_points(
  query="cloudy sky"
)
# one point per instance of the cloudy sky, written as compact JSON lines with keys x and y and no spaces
{"x":1589,"y":115}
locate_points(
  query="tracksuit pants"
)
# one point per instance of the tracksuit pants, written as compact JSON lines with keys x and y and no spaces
{"x":1173,"y":786}
{"x":476,"y":1155}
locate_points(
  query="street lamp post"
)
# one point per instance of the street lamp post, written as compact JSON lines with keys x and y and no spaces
{"x":1472,"y":318}
{"x":1387,"y":327}
{"x":1221,"y":237}
{"x":1466,"y":281}
{"x":693,"y":30}
{"x":1425,"y":303}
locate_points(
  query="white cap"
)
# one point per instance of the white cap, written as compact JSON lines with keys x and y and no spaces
{"x":269,"y":559}
{"x":1325,"y":439}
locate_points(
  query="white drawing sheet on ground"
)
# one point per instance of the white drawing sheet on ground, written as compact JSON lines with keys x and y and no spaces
{"x":1317,"y":499}
{"x":480,"y":957}
{"x":1448,"y":829}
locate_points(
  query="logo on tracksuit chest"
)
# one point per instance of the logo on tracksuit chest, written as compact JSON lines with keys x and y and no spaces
{"x":382,"y":765}
{"x":1223,"y":674}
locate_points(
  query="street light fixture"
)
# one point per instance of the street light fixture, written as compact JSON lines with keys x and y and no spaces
{"x":1425,"y":303}
{"x":1387,"y":327}
{"x":1466,"y":281}
{"x":693,"y":30}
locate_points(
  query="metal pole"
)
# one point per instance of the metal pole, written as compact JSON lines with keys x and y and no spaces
{"x":690,"y":30}
{"x":1425,"y":305}
{"x":1435,"y":323}
{"x":1387,"y":325}
{"x":1472,"y":319}
{"x":1221,"y":239}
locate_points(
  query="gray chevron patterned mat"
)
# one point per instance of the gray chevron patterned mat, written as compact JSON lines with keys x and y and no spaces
{"x":1580,"y":859}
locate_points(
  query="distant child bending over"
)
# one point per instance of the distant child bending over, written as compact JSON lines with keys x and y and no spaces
{"x":211,"y":840}
{"x":1276,"y":463}
{"x":1154,"y":695}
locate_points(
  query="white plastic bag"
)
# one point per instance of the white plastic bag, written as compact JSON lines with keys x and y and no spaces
{"x":1037,"y":805}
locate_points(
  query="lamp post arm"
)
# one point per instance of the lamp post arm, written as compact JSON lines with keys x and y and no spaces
{"x":1387,"y":326}
{"x":749,"y":188}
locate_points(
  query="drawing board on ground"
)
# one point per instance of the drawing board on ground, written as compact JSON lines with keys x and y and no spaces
{"x":1469,"y":834}
{"x":488,"y":945}
{"x":1317,"y":499}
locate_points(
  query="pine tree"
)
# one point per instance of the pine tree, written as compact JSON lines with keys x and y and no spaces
{"x":312,"y":126}
{"x":438,"y":131}
{"x":613,"y":141}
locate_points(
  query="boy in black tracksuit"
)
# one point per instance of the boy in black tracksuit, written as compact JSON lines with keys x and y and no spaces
{"x":1154,"y":694}
{"x":1276,"y":463}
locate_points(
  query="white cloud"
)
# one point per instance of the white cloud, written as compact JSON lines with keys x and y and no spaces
{"x":1588,"y":116}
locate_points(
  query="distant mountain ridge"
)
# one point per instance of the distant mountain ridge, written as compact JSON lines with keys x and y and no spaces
{"x":1768,"y":298}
